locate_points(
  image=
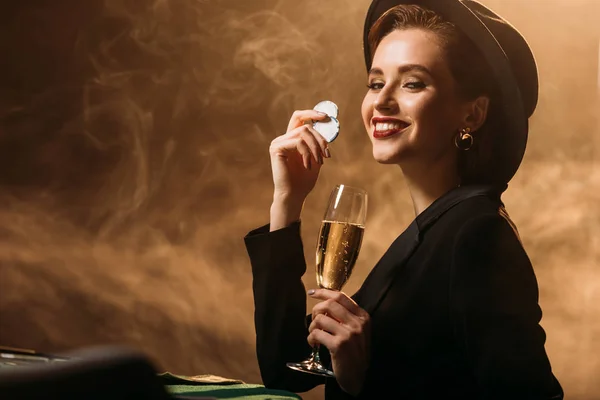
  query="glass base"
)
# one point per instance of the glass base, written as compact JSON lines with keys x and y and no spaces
{"x":311,"y":367}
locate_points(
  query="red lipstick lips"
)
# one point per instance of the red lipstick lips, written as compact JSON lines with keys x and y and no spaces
{"x":385,"y":127}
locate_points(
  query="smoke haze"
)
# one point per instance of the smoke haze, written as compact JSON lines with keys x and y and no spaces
{"x":134,"y":158}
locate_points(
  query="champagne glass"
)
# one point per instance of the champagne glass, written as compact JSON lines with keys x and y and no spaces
{"x":337,"y":250}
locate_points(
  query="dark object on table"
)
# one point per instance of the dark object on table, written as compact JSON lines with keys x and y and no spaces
{"x":95,"y":373}
{"x":12,"y":357}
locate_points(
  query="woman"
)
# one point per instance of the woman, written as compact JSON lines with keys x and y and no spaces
{"x":451,"y":310}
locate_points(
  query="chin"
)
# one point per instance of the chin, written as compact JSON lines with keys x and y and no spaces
{"x":387,"y":152}
{"x":383,"y":157}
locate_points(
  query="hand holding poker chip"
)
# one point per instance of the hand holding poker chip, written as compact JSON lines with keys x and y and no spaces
{"x":330,"y":128}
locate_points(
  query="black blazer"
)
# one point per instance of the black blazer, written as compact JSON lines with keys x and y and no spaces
{"x":453,"y":305}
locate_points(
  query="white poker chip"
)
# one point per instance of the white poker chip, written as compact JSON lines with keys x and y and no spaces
{"x":328,"y":129}
{"x":331,"y":128}
{"x":328,"y":107}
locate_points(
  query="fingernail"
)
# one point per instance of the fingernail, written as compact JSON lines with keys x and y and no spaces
{"x":327,"y":153}
{"x":311,"y":292}
{"x":321,"y":113}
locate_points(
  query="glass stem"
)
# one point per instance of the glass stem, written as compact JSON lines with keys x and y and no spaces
{"x":315,"y":358}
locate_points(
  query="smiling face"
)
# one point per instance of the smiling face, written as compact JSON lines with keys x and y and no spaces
{"x":412,"y":110}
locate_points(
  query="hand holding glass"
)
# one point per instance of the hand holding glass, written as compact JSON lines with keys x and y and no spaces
{"x":337,"y":250}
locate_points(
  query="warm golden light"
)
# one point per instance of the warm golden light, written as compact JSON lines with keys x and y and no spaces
{"x":134,"y":158}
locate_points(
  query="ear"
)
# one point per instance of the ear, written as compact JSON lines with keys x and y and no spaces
{"x":477,"y":111}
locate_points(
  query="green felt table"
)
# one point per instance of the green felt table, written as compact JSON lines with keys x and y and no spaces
{"x":211,"y":386}
{"x":238,"y":391}
{"x":178,"y":386}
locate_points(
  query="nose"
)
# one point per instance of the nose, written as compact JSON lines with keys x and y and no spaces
{"x":385,"y":101}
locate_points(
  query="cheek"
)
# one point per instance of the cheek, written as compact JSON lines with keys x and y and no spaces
{"x":421,"y":105}
{"x":431,"y":111}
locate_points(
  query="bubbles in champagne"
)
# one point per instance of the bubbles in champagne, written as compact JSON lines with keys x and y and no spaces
{"x":337,"y":251}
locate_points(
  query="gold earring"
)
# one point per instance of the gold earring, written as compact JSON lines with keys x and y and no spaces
{"x":464,"y":140}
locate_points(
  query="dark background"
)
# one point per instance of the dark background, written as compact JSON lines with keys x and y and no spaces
{"x":134,"y":158}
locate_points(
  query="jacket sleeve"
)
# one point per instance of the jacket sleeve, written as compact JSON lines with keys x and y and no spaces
{"x":494,"y":300}
{"x":278,"y":264}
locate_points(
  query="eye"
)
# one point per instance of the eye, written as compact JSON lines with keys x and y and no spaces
{"x":414,"y":85}
{"x":376,"y":85}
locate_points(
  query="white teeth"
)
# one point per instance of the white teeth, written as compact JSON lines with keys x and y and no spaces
{"x":386,"y":126}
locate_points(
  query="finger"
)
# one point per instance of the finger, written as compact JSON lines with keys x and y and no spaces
{"x":320,"y":337}
{"x":335,"y":310}
{"x":308,"y":130}
{"x":299,"y":130}
{"x":299,"y":117}
{"x":323,"y":143}
{"x":290,"y":144}
{"x":327,"y":324}
{"x":341,"y":298}
{"x":304,"y":150}
{"x":313,"y":144}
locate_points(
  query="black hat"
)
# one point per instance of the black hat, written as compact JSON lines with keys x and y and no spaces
{"x":511,"y":61}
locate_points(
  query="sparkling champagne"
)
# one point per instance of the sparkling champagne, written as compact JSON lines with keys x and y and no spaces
{"x":337,"y":251}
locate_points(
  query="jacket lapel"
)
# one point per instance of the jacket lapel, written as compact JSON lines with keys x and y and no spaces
{"x":381,"y":277}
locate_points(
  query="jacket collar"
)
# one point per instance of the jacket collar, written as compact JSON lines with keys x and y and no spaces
{"x":452,"y":198}
{"x":382,"y":275}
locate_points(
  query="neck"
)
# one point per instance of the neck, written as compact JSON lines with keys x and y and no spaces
{"x":428,"y":183}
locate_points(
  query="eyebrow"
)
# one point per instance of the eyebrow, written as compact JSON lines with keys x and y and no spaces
{"x":403,"y":69}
